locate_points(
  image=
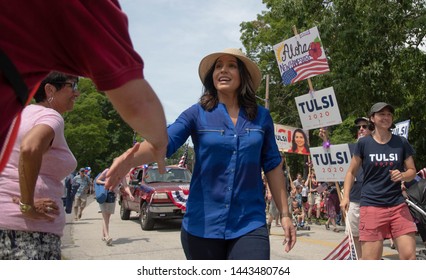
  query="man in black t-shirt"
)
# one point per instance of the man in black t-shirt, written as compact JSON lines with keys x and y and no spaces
{"x":363,"y":129}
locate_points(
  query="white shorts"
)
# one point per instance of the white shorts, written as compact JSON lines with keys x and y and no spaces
{"x":314,"y":199}
{"x":353,"y":218}
{"x":107,"y":207}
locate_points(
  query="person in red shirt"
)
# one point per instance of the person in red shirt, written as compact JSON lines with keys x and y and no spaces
{"x":81,"y":38}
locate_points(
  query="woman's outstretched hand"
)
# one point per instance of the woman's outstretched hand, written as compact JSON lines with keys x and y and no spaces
{"x":120,"y":167}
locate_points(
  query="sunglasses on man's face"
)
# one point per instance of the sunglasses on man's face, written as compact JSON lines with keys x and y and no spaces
{"x":363,"y":126}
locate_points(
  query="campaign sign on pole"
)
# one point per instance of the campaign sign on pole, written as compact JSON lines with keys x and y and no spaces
{"x":331,"y":164}
{"x":301,"y":57}
{"x":319,"y":109}
{"x":401,"y":128}
{"x":284,"y":136}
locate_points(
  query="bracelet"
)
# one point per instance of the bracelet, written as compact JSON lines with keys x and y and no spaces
{"x":285,"y":215}
{"x":24,"y":207}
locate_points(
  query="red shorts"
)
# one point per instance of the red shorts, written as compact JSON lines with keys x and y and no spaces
{"x":379,"y":223}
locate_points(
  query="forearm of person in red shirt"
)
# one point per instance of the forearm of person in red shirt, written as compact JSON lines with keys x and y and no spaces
{"x":140,"y":107}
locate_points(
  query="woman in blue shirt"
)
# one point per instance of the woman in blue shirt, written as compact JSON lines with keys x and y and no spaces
{"x":233,"y":142}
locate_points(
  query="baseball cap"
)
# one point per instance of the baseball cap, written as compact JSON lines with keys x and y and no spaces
{"x":380,"y":106}
{"x":82,"y":169}
{"x":361,"y":119}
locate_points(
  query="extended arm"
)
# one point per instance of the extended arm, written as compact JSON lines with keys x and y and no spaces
{"x":140,"y":107}
{"x":277,"y":186}
{"x":140,"y":153}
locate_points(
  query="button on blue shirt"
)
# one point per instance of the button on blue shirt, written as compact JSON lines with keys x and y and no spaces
{"x":226,"y":193}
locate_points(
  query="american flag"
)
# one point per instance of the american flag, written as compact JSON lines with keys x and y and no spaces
{"x":344,"y":251}
{"x":288,"y":76}
{"x":305,"y":70}
{"x":179,"y":198}
{"x":184,"y":159}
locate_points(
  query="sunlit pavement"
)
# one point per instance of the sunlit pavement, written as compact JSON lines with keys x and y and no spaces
{"x":82,"y":240}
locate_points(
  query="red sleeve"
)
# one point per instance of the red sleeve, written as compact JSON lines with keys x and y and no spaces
{"x":84,"y":38}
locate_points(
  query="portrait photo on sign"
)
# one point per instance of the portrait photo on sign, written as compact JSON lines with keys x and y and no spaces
{"x":292,"y":139}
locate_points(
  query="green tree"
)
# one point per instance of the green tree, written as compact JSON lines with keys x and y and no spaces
{"x":94,"y":131}
{"x":120,"y":134}
{"x":85,"y":129}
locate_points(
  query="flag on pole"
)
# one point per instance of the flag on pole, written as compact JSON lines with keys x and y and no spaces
{"x":305,"y":70}
{"x":184,"y":159}
{"x":344,"y":251}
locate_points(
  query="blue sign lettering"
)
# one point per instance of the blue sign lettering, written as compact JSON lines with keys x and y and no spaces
{"x":329,"y":159}
{"x":316,"y":105}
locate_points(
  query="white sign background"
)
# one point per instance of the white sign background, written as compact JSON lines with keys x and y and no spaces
{"x":331,"y":164}
{"x":319,"y":109}
{"x":402,"y":128}
{"x":301,"y":57}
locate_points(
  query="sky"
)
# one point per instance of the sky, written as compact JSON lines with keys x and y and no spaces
{"x":172,"y":36}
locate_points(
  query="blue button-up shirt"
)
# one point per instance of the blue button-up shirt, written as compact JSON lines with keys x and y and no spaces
{"x":226,"y":192}
{"x":84,"y":182}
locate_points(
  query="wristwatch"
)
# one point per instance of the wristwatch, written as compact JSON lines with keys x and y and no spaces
{"x":24,"y":207}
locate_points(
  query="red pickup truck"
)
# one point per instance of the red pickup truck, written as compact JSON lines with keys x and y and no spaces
{"x":157,"y":196}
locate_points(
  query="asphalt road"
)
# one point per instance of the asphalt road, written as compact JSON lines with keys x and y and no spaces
{"x":82,"y":240}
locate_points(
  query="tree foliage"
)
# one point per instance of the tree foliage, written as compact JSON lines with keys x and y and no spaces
{"x":94,"y":131}
{"x":373,"y":50}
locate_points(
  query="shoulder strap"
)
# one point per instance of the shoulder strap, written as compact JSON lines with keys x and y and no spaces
{"x":12,"y":75}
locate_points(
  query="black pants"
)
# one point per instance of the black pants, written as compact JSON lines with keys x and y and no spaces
{"x":251,"y":246}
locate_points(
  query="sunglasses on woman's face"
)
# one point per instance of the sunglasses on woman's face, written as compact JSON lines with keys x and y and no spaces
{"x":73,"y":85}
{"x":363,"y":126}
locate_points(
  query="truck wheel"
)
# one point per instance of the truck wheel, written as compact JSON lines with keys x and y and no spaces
{"x":124,"y":213}
{"x":147,"y":222}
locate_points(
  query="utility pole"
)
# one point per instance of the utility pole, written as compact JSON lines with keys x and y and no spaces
{"x":266,"y":100}
{"x":267,"y":92}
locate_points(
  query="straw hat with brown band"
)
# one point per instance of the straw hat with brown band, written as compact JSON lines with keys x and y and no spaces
{"x":208,"y":61}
